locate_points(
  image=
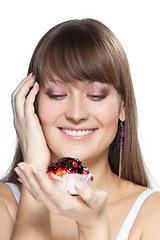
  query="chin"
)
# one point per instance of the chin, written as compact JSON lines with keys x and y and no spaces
{"x":82,"y":156}
{"x":83,"y":153}
{"x":75,"y":155}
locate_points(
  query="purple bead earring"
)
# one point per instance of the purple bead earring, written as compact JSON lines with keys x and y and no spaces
{"x":121,"y":144}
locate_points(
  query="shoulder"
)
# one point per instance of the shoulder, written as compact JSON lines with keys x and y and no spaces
{"x":8,"y":210}
{"x":151,"y":208}
{"x":149,"y":217}
{"x":6,"y":193}
{"x":8,"y":200}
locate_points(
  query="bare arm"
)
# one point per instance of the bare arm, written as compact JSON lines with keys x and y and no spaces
{"x":33,"y":220}
{"x":151,"y":218}
{"x":6,"y":223}
{"x":88,"y":209}
{"x":98,"y":229}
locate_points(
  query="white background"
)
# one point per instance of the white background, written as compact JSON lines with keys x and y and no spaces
{"x":137,"y":25}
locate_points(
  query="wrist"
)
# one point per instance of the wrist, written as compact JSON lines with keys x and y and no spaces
{"x":41,"y":163}
{"x":94,"y":228}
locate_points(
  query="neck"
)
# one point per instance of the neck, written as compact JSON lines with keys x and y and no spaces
{"x":104,"y":178}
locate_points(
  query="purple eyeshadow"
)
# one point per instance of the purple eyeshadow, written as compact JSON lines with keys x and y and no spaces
{"x":55,"y":91}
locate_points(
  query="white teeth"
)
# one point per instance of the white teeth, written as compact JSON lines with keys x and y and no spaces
{"x":77,"y":133}
{"x":73,"y":133}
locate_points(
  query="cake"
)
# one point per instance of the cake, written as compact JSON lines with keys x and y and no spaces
{"x":66,"y":172}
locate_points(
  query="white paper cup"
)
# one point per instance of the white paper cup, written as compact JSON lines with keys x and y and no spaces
{"x":67,"y":182}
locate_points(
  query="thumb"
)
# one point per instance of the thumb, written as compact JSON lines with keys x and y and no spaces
{"x":93,"y":198}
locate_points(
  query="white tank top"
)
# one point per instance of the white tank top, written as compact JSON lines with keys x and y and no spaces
{"x":15,"y":190}
{"x":128,"y":223}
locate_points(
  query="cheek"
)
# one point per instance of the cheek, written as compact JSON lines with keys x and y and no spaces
{"x":108,"y":113}
{"x":108,"y":117}
{"x":43,"y":112}
{"x":47,"y":111}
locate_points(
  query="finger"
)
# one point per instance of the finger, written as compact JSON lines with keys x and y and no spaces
{"x":22,"y":82}
{"x":61,"y":199}
{"x":29,"y":102}
{"x":36,"y":180}
{"x":21,"y":176}
{"x":93,"y":198}
{"x":19,"y":98}
{"x":27,"y":178}
{"x":19,"y":86}
{"x":16,"y":98}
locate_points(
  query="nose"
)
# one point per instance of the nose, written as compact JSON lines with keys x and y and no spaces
{"x":77,"y":110}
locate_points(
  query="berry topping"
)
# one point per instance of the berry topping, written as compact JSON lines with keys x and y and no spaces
{"x":85,"y":172}
{"x":67,"y":165}
{"x":92,"y":178}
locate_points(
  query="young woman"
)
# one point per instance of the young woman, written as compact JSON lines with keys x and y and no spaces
{"x":78,"y":101}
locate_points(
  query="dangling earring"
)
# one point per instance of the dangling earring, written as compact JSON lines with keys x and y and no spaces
{"x":121,"y":144}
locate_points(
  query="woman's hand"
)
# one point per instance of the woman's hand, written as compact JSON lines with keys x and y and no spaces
{"x":26,"y":122}
{"x":88,"y":209}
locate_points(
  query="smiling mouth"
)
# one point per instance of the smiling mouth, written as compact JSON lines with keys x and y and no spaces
{"x":77,"y":133}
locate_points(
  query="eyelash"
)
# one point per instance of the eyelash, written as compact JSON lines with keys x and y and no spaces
{"x":97,"y":97}
{"x":93,"y":97}
{"x":56,"y":97}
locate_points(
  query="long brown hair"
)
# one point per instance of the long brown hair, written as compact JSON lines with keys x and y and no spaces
{"x":86,"y":49}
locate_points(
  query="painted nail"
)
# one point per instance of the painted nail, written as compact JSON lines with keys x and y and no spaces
{"x":19,"y":173}
{"x":34,"y":170}
{"x":35,"y":84}
{"x":21,"y":167}
{"x":32,"y":78}
{"x":19,"y":180}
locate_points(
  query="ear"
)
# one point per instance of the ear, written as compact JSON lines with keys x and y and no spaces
{"x":122,"y":115}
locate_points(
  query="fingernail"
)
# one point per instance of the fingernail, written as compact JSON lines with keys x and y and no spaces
{"x":32,"y":78}
{"x":19,"y":180}
{"x":80,"y":186}
{"x":35,"y":84}
{"x":30,"y":74}
{"x":21,"y":167}
{"x":19,"y":173}
{"x":34,"y":170}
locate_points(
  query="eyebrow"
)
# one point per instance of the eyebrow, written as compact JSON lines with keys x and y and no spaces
{"x":53,"y":81}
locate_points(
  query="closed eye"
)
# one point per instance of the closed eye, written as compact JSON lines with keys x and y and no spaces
{"x":97,"y":97}
{"x":56,"y":96}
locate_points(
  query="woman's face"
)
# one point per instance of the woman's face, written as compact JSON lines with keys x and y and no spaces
{"x":79,"y":120}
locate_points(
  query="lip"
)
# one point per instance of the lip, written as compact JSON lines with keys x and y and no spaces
{"x":76,"y":129}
